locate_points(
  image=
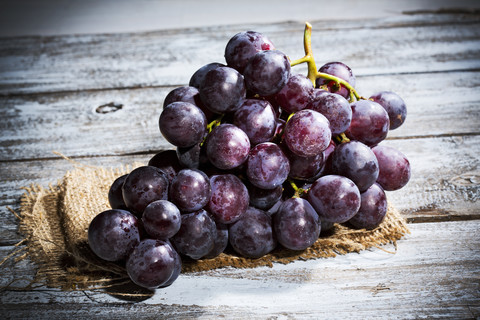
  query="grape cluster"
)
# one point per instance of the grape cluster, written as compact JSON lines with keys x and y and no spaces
{"x":264,"y":158}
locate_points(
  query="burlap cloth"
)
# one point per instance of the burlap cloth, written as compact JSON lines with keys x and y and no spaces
{"x":55,"y":221}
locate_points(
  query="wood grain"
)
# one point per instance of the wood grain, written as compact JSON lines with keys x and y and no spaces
{"x":34,"y":126}
{"x":418,"y":281}
{"x":402,"y":44}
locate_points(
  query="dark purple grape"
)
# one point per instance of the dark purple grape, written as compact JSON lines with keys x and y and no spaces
{"x":152,"y":263}
{"x":373,"y":208}
{"x":394,"y":105}
{"x":267,"y":166}
{"x":223,"y":90}
{"x":177,"y":269}
{"x":296,"y":94}
{"x":161,"y":219}
{"x":394,"y":168}
{"x":252,"y":236}
{"x":326,"y":227}
{"x":192,"y":157}
{"x":335,"y":108}
{"x":191,"y":95}
{"x":113,"y":234}
{"x":307,"y":133}
{"x":183,"y":124}
{"x":369,"y":123}
{"x":144,"y":185}
{"x":357,"y":162}
{"x":335,"y":198}
{"x":267,"y":72}
{"x":182,"y":94}
{"x":244,"y":45}
{"x":327,"y":159}
{"x":296,"y":224}
{"x":221,"y":241}
{"x":168,"y":162}
{"x":196,"y":237}
{"x":264,"y":199}
{"x":229,"y":199}
{"x":227,"y":146}
{"x":339,"y":70}
{"x":190,"y":190}
{"x":279,"y":127}
{"x":199,"y":76}
{"x":304,"y":168}
{"x":257,"y":119}
{"x":115,"y":197}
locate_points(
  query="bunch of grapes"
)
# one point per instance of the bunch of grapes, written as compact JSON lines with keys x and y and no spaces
{"x":264,"y":157}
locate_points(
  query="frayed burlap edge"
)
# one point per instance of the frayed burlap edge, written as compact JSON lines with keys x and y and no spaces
{"x":55,"y":221}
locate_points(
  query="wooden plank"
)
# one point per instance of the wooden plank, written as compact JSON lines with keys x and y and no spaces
{"x":35,"y":125}
{"x":445,"y":183}
{"x":404,"y":44}
{"x":433,"y":274}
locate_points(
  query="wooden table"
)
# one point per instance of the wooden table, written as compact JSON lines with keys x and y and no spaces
{"x":50,"y":88}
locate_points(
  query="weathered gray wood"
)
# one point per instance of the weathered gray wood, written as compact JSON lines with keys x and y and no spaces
{"x":403,"y":44}
{"x":35,"y":125}
{"x":433,"y":274}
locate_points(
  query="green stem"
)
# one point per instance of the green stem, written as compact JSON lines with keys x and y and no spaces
{"x":298,"y":191}
{"x":313,"y":74}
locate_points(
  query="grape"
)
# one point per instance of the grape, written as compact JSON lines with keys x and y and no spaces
{"x":394,"y":105}
{"x":199,"y":76}
{"x":327,"y":160}
{"x":267,"y":166}
{"x":369,"y":123}
{"x":223,"y":90}
{"x":151,"y":264}
{"x":335,"y":198}
{"x":229,"y":199}
{"x":373,"y":208}
{"x":168,"y":162}
{"x":144,"y":185}
{"x":115,"y":197}
{"x":357,"y":162}
{"x":335,"y":108}
{"x":267,"y":72}
{"x":161,"y":219}
{"x":296,"y":93}
{"x":227,"y":146}
{"x":296,"y":224}
{"x":192,"y":157}
{"x":304,"y":168}
{"x":257,"y":119}
{"x":182,"y":94}
{"x":339,"y":70}
{"x":252,"y":235}
{"x":244,"y":45}
{"x":264,"y":199}
{"x":307,"y":133}
{"x":326,"y":227}
{"x":196,"y":237}
{"x":113,"y":234}
{"x":191,"y":95}
{"x":221,"y":241}
{"x":183,"y":124}
{"x":177,"y":269}
{"x":190,"y":190}
{"x":394,"y":168}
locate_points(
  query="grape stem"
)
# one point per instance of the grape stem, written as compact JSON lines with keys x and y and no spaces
{"x":313,"y":73}
{"x":298,"y":191}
